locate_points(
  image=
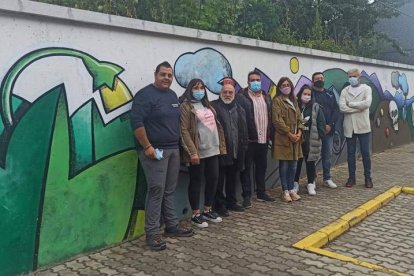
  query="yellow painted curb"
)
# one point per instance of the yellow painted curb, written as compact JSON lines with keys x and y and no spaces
{"x":395,"y":190}
{"x":371,"y":206}
{"x":408,"y":190}
{"x":318,"y":239}
{"x":355,"y":261}
{"x":385,"y":198}
{"x":354,"y":216}
{"x":335,"y":229}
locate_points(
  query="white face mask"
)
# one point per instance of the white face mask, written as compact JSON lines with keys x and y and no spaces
{"x":305,"y":98}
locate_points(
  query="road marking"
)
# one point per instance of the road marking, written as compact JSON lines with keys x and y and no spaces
{"x":315,"y":241}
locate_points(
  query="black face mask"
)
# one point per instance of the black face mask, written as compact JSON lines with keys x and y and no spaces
{"x":319,"y":83}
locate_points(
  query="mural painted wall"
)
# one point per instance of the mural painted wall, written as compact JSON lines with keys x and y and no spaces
{"x":69,"y":177}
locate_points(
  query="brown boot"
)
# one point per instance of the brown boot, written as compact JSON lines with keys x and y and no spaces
{"x":286,"y":197}
{"x":294,"y":196}
{"x":368,"y":182}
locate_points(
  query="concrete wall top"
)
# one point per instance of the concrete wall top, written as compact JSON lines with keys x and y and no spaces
{"x":87,"y":17}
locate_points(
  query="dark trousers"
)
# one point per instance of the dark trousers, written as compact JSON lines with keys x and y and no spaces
{"x":162,"y":177}
{"x":364,"y":145}
{"x":209,"y":170}
{"x":226,"y":181}
{"x":257,"y":154}
{"x":310,"y":169}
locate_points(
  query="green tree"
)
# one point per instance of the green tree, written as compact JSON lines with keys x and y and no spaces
{"x":331,"y":25}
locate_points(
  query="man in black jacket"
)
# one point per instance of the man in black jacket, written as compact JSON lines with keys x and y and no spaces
{"x":258,"y":106}
{"x":233,"y":119}
{"x":326,"y":99}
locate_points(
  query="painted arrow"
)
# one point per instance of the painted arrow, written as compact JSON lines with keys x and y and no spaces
{"x":103,"y":74}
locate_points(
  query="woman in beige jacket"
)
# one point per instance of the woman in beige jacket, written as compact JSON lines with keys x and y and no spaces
{"x":287,"y":121}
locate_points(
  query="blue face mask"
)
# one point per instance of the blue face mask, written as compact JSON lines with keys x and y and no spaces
{"x":256,"y":86}
{"x":198,"y":94}
{"x":353,"y":81}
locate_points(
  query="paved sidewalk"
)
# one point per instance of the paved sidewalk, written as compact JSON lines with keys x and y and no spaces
{"x":391,"y":237}
{"x":259,"y":241}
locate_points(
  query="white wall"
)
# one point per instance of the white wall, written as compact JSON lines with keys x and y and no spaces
{"x":138,"y":47}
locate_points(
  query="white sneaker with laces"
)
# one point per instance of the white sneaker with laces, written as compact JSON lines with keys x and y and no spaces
{"x":211,"y":216}
{"x":330,"y":184}
{"x":198,"y":221}
{"x":296,"y":187}
{"x":311,"y":189}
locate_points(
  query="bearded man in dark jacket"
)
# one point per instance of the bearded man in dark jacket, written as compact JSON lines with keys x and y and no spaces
{"x":233,"y":119}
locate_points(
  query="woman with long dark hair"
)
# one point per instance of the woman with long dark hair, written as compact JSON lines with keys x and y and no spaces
{"x":287,"y":120}
{"x":314,"y":122}
{"x":202,"y":142}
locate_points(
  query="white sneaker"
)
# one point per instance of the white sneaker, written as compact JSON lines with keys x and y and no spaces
{"x":198,"y":221}
{"x":211,"y":216}
{"x":311,"y":189}
{"x":330,"y":184}
{"x":296,"y":187}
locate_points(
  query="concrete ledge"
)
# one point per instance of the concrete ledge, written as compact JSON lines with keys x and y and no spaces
{"x":408,"y":190}
{"x":395,"y":190}
{"x":355,"y":216}
{"x":385,"y":198}
{"x":317,"y":239}
{"x":320,"y":238}
{"x":335,"y":229}
{"x":371,"y":206}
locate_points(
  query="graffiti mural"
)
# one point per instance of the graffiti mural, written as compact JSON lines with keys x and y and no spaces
{"x":207,"y":64}
{"x":398,"y":105}
{"x":64,"y":173}
{"x":70,"y":181}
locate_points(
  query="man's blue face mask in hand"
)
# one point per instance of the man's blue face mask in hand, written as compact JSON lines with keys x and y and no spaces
{"x":159,"y":154}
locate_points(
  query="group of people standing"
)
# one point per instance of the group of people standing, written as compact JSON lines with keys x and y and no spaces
{"x":220,"y":141}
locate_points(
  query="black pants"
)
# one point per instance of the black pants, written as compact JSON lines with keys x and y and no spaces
{"x":310,"y":169}
{"x":257,"y":154}
{"x":209,"y":170}
{"x":226,"y":181}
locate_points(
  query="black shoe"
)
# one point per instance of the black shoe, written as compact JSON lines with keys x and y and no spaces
{"x":156,"y":243}
{"x":265,"y":197}
{"x":235,"y":208}
{"x":178,"y":232}
{"x":222,"y":212}
{"x":211,"y":216}
{"x":247,"y":203}
{"x":350,"y":183}
{"x":198,"y":221}
{"x":368,"y":182}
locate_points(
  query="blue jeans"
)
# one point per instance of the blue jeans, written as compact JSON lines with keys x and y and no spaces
{"x":364,"y":146}
{"x":327,"y":143}
{"x":287,"y":169}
